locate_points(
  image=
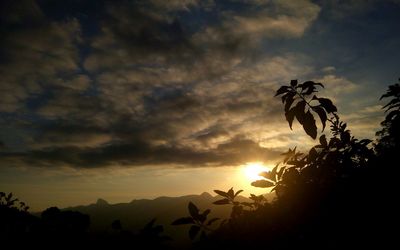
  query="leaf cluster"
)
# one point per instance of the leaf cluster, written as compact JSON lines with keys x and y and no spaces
{"x":7,"y":200}
{"x":198,"y":221}
{"x":299,"y":103}
{"x":389,"y":136}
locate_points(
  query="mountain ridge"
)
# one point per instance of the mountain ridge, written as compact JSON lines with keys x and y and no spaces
{"x":136,"y":213}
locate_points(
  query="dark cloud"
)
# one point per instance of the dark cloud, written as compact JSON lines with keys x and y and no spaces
{"x":235,"y":152}
{"x":343,"y":9}
{"x":34,"y":52}
{"x":151,"y":32}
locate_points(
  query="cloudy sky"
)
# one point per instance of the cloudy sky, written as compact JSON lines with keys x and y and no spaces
{"x":133,"y":99}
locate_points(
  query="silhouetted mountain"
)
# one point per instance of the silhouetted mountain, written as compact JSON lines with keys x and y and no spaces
{"x":135,"y":214}
{"x":102,"y":202}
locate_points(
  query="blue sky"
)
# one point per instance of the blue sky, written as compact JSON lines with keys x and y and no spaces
{"x":95,"y":90}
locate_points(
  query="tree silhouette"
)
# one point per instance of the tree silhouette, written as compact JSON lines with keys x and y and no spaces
{"x":389,"y":137}
{"x":323,"y":195}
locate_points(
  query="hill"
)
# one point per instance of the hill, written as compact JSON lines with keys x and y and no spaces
{"x":137,"y":213}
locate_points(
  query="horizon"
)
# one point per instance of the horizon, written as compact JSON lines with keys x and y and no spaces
{"x":142,"y":99}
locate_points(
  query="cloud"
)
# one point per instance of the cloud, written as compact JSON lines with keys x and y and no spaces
{"x":34,"y":51}
{"x":337,"y":85}
{"x":343,"y":9}
{"x":263,"y":19}
{"x":59,"y":135}
{"x":235,"y":152}
{"x":198,"y":124}
{"x":147,"y":83}
{"x":175,"y":5}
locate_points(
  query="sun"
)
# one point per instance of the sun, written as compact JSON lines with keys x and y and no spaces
{"x":253,"y":169}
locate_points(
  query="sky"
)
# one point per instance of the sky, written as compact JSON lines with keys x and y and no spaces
{"x":125,"y":100}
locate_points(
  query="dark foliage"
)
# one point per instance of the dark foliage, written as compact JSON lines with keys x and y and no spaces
{"x":66,"y":229}
{"x":198,"y":221}
{"x":389,"y":137}
{"x":335,"y":196}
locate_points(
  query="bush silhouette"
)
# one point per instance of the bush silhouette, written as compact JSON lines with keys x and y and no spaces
{"x":324,"y":196}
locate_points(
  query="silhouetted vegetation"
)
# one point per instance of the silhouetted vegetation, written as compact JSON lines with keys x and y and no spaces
{"x":334,"y":196}
{"x":339,"y":194}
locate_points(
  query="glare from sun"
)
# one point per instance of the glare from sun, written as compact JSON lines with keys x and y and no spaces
{"x":253,"y":169}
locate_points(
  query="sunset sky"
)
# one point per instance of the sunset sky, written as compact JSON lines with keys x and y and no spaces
{"x":137,"y":99}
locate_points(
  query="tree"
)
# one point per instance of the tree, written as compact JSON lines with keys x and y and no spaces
{"x":323,"y":195}
{"x":389,"y":137}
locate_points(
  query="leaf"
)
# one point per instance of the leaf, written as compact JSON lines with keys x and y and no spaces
{"x":193,"y":231}
{"x":266,"y":174}
{"x":327,"y":105}
{"x":282,"y":90}
{"x":392,"y":114}
{"x":289,"y":154}
{"x":231,"y":193}
{"x":221,"y":202}
{"x":322,"y":115}
{"x":183,"y":221}
{"x":280,"y":173}
{"x":193,"y":210}
{"x":289,"y":95}
{"x":312,"y":154}
{"x":274,"y":170}
{"x":299,"y":111}
{"x":293,"y":83}
{"x":365,"y":142}
{"x":247,"y":204}
{"x":310,"y":90}
{"x":222,"y":193}
{"x":334,"y":142}
{"x":345,"y":137}
{"x":203,"y":216}
{"x":238,"y":192}
{"x":211,"y":221}
{"x":262,"y":183}
{"x":322,"y":141}
{"x":290,"y":116}
{"x":206,"y":212}
{"x":307,"y":84}
{"x":309,"y":125}
{"x":9,"y":196}
{"x":289,"y":101}
{"x":309,"y":87}
{"x":393,"y":89}
{"x":393,"y":101}
{"x":291,"y":175}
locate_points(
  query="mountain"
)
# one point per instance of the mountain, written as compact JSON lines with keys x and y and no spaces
{"x":137,"y":213}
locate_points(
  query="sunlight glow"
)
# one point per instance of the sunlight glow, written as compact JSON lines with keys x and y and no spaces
{"x":253,"y":169}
